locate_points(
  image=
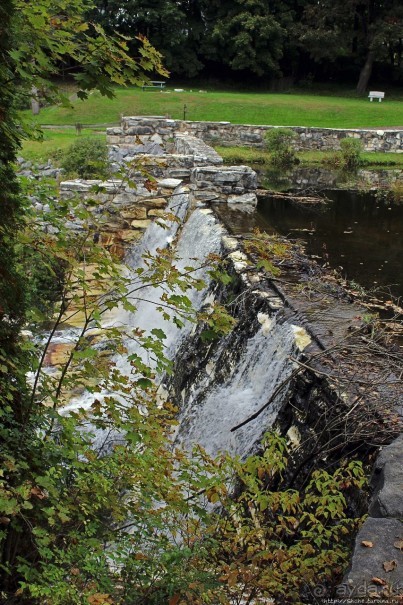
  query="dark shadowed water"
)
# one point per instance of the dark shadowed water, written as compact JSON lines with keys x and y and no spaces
{"x":354,"y":232}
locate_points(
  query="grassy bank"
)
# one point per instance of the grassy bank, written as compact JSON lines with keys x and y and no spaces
{"x":54,"y":143}
{"x":246,"y":155}
{"x":293,"y":109}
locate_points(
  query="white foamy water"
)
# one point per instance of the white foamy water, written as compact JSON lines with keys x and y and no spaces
{"x":213,"y":409}
{"x":157,"y":236}
{"x":200,"y":236}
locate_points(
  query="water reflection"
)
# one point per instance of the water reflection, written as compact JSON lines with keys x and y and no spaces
{"x":354,"y":231}
{"x":318,"y":178}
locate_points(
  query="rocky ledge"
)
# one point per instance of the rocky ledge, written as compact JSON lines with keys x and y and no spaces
{"x":376,"y":571}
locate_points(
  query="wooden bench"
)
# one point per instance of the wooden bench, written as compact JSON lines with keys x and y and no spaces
{"x":375,"y":94}
{"x":153,"y":84}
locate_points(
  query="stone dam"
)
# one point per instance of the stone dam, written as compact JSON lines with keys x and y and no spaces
{"x":299,"y":359}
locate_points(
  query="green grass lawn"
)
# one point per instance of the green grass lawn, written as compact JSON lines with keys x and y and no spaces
{"x":237,"y":107}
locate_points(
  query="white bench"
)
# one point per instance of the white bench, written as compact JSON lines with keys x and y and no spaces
{"x":153,"y":84}
{"x":375,"y":94}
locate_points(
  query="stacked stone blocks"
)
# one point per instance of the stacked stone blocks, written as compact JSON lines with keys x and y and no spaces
{"x":162,"y":131}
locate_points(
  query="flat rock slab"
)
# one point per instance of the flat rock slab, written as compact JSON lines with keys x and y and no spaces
{"x":149,"y":148}
{"x":249,"y":199}
{"x":387,"y":479}
{"x":169,"y":183}
{"x":368,"y":562}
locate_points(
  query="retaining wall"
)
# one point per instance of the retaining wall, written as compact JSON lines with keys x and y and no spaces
{"x":126,"y":211}
{"x":163,"y":131}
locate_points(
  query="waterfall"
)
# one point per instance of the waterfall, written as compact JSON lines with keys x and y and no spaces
{"x":161,"y":232}
{"x":199,"y":237}
{"x":213,"y":407}
{"x":215,"y":402}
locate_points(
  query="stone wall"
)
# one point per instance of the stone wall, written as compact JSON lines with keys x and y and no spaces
{"x":162,"y":131}
{"x":203,"y":154}
{"x":232,"y":184}
{"x":227,"y":134}
{"x":125,"y":211}
{"x":176,"y":166}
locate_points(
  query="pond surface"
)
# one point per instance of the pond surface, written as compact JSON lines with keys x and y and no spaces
{"x":354,"y":232}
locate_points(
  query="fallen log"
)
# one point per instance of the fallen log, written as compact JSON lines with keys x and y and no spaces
{"x":280,"y":195}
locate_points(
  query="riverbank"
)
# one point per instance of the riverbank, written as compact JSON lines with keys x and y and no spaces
{"x":248,"y":155}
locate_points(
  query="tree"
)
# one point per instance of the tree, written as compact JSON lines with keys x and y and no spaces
{"x":245,"y":35}
{"x":36,"y":40}
{"x":49,"y":37}
{"x":12,"y":295}
{"x":263,"y":38}
{"x":172,"y":27}
{"x":362,"y":31}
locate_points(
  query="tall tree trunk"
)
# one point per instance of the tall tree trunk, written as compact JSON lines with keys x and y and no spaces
{"x":34,"y":101}
{"x":365,"y":73}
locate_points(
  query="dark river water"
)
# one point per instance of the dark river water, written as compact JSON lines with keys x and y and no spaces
{"x":354,"y":232}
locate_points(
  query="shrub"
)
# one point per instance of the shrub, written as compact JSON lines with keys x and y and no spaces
{"x":396,"y":192}
{"x":86,"y":158}
{"x":349,"y":157}
{"x":275,"y":543}
{"x":392,"y":194}
{"x":279,"y":144}
{"x":351,"y":153}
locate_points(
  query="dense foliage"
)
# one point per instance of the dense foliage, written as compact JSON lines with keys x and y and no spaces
{"x":96,"y":507}
{"x":349,"y":157}
{"x":263,"y":40}
{"x":11,"y":295}
{"x":86,"y":158}
{"x":279,"y":144}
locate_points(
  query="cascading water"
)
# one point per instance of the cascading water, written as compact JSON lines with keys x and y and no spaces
{"x":200,"y":236}
{"x":213,"y":408}
{"x":158,"y":236}
{"x":213,"y":404}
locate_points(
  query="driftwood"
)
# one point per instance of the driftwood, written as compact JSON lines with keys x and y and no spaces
{"x":301,"y":199}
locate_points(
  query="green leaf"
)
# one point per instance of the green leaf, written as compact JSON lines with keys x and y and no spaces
{"x":160,"y":334}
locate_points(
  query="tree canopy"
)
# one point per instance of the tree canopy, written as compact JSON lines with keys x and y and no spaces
{"x":263,"y":40}
{"x":355,"y":32}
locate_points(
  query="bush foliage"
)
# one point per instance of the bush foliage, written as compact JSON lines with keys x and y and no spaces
{"x":349,"y":157}
{"x":279,"y":142}
{"x":86,"y":158}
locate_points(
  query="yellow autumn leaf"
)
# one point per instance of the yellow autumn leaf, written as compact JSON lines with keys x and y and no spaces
{"x":99,"y":598}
